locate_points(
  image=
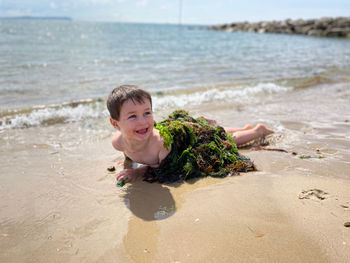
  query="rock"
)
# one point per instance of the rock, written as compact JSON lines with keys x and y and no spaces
{"x":335,"y":32}
{"x":347,"y":224}
{"x":309,"y":22}
{"x":111,"y":169}
{"x":315,"y":32}
{"x":322,"y":23}
{"x":306,"y":29}
{"x":342,"y":22}
{"x":322,"y":27}
{"x":313,"y":194}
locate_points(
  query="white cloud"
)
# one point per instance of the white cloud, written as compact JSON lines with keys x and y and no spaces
{"x":18,"y":12}
{"x":53,"y":5}
{"x":103,"y":2}
{"x":142,"y":2}
{"x":164,"y":7}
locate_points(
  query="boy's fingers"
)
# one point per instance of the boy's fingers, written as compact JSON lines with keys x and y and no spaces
{"x":121,"y":177}
{"x":125,"y":174}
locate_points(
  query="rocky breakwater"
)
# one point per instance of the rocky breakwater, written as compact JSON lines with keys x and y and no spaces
{"x":323,"y":27}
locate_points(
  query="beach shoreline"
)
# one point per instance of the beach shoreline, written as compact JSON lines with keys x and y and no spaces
{"x":59,"y":202}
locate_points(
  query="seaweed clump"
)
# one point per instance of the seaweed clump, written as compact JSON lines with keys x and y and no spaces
{"x":198,"y":149}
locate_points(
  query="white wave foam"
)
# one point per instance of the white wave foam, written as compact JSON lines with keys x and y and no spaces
{"x":238,"y":94}
{"x":52,"y":115}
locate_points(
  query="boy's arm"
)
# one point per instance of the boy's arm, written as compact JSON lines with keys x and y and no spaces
{"x":127,"y":162}
{"x":117,"y":141}
{"x":163,"y":153}
{"x":128,"y":173}
{"x":132,"y":174}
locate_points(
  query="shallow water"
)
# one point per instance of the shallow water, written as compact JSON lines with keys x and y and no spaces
{"x":56,"y":62}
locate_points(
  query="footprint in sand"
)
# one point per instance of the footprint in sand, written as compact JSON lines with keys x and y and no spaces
{"x":316,"y":194}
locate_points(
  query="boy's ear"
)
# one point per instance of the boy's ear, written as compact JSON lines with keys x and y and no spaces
{"x":114,"y":123}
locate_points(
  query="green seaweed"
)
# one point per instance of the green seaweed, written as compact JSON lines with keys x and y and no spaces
{"x":302,"y":156}
{"x":164,"y":132}
{"x":198,"y":149}
{"x":121,"y":183}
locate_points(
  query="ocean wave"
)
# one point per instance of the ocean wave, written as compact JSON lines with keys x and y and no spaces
{"x":87,"y":109}
{"x":237,"y":95}
{"x":52,"y":114}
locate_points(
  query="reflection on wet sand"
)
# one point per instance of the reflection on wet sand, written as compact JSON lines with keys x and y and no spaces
{"x":151,"y":203}
{"x":148,"y":203}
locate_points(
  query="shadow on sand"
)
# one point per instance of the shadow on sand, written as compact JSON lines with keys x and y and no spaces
{"x":149,"y":201}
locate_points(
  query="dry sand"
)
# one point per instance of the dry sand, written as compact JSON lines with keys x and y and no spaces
{"x":60,"y":204}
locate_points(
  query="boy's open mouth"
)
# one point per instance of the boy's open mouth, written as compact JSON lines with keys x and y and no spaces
{"x":142,"y":131}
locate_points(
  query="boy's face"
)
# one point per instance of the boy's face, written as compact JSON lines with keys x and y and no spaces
{"x":136,"y":120}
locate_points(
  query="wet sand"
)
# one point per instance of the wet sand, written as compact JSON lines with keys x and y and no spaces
{"x":60,"y":204}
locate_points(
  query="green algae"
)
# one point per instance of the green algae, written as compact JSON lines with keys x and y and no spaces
{"x":122,"y":182}
{"x":302,"y":156}
{"x":198,"y":149}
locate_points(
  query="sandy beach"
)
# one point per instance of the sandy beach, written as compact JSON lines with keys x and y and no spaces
{"x":60,"y":204}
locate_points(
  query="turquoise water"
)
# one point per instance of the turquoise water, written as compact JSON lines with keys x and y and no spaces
{"x":45,"y":63}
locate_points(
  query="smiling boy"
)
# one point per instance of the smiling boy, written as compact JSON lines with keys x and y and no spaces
{"x":131,"y":114}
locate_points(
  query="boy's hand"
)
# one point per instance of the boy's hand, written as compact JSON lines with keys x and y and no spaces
{"x":130,"y":175}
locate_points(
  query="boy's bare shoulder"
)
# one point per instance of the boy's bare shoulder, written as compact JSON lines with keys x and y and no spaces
{"x":163,"y":152}
{"x":117,"y":141}
{"x":158,"y":139}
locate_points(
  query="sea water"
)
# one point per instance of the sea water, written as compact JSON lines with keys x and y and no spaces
{"x":61,"y":71}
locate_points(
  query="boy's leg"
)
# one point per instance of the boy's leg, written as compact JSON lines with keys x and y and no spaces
{"x":233,"y":130}
{"x":244,"y":136}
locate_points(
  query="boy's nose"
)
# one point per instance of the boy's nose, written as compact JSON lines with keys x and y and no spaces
{"x":142,"y":121}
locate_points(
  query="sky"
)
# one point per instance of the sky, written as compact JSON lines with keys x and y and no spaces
{"x":206,"y":12}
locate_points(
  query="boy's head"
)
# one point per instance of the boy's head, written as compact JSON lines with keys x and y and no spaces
{"x":122,"y":94}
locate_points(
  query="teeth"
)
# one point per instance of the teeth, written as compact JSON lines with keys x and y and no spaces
{"x":143,"y":131}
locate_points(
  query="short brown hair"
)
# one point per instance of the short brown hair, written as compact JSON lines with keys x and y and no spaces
{"x":123,"y":93}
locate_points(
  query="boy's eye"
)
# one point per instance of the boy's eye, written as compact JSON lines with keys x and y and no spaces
{"x":132,"y":116}
{"x":148,"y":113}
